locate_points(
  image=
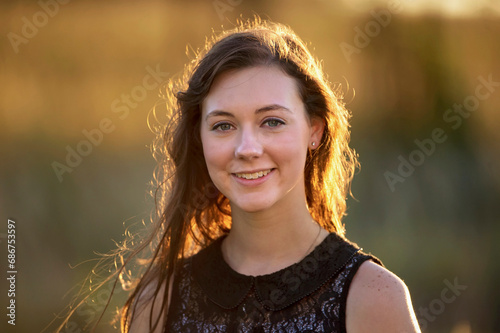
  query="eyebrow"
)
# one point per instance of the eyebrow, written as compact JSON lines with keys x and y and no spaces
{"x":267,"y":108}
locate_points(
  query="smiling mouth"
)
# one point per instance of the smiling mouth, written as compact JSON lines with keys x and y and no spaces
{"x":254,"y":175}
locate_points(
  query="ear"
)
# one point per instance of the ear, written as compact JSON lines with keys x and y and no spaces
{"x":317,"y":128}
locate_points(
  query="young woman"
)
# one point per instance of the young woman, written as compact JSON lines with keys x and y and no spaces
{"x":253,"y":186}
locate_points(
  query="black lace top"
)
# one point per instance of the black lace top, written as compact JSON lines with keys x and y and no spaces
{"x":309,"y":296}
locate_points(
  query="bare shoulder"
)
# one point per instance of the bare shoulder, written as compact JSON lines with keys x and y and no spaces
{"x":149,"y":309}
{"x":379,"y":301}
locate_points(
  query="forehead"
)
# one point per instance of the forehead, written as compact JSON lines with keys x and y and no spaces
{"x":251,"y":87}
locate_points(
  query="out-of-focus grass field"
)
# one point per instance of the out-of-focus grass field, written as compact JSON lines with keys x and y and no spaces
{"x":440,"y":224}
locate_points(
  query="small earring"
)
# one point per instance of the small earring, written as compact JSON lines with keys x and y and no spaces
{"x":313,"y":144}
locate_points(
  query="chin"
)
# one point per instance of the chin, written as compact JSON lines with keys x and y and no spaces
{"x":252,"y":207}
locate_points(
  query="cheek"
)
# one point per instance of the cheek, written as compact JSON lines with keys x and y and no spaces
{"x":214,"y":152}
{"x":208,"y":152}
{"x":293,"y":144}
{"x":289,"y":152}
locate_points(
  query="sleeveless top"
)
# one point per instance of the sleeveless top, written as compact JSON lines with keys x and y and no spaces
{"x":309,"y":296}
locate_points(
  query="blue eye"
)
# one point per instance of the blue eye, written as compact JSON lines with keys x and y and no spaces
{"x":273,"y":122}
{"x":221,"y":127}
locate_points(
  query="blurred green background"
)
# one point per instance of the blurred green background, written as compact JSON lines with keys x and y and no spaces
{"x":403,"y":65}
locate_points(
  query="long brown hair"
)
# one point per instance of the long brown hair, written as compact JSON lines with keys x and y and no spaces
{"x":191,"y":211}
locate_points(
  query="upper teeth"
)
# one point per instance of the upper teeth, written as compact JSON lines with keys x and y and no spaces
{"x":254,"y":175}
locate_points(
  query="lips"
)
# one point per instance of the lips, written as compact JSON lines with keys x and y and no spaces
{"x":254,"y":175}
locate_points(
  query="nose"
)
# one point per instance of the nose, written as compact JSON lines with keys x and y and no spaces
{"x":249,"y":145}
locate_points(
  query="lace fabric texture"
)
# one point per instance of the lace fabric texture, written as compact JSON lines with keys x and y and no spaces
{"x":309,"y":296}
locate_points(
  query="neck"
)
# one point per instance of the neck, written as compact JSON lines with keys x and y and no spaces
{"x":264,"y":242}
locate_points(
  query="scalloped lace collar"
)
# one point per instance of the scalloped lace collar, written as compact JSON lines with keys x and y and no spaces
{"x":228,"y":288}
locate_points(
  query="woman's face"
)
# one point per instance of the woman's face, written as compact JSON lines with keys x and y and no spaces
{"x":255,"y":134}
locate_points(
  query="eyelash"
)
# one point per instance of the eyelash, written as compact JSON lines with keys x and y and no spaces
{"x":216,"y":127}
{"x":279,"y":121}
